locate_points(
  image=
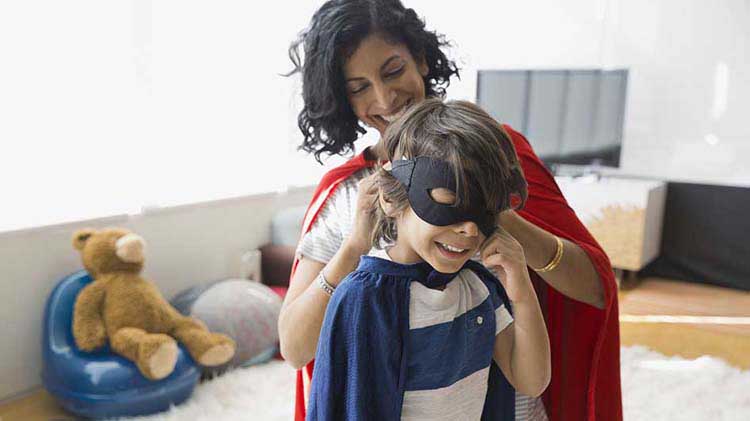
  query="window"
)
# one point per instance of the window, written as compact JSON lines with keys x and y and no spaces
{"x":108,"y":107}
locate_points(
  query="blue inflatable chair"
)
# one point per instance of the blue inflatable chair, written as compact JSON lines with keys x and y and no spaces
{"x":102,"y":384}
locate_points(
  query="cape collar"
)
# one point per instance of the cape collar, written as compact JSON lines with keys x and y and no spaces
{"x":421,"y":272}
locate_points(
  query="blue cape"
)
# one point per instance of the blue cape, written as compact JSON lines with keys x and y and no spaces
{"x":361,"y":361}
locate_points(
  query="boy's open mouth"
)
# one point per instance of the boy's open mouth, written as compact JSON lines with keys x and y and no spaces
{"x":451,"y":252}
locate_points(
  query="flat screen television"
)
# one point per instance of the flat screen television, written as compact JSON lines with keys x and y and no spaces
{"x":571,"y":117}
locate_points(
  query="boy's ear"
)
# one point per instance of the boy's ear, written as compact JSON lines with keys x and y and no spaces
{"x":386,"y":206}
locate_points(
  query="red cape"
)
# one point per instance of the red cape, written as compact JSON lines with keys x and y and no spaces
{"x":585,"y":341}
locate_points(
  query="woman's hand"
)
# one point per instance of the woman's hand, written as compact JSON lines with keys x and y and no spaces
{"x":508,"y":218}
{"x":502,"y":253}
{"x":359,"y":240}
{"x":575,"y":276}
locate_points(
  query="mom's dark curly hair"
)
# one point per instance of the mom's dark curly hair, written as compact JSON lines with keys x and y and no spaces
{"x":327,"y":120}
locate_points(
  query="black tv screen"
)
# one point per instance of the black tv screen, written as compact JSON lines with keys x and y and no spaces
{"x":570,"y":116}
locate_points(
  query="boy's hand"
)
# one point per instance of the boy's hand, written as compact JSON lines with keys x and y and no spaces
{"x":504,"y":255}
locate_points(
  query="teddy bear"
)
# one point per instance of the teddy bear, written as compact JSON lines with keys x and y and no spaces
{"x":122,"y":307}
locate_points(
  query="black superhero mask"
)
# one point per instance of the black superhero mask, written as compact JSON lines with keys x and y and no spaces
{"x":423,"y":174}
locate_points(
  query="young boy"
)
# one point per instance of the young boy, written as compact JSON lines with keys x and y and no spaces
{"x":420,"y":331}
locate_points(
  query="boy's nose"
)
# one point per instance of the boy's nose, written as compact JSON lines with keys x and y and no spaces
{"x":467,"y":228}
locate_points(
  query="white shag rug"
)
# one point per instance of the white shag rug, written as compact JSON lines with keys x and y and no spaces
{"x":655,"y":387}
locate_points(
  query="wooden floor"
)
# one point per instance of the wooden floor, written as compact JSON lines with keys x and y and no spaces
{"x":689,"y":320}
{"x":39,"y":406}
{"x":674,"y":318}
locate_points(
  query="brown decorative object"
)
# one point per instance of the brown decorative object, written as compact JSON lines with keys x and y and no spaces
{"x":127,"y":311}
{"x":620,"y":232}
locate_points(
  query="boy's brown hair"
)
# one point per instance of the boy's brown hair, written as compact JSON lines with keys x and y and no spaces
{"x":460,"y":133}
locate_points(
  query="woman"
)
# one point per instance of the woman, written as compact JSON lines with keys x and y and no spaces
{"x":365,"y":62}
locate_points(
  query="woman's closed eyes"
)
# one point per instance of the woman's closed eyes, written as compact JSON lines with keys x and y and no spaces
{"x":388,"y":75}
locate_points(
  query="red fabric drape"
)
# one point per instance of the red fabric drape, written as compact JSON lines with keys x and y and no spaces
{"x":585,"y":341}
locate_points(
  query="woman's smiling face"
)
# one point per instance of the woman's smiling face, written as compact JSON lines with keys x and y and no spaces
{"x":382,"y":80}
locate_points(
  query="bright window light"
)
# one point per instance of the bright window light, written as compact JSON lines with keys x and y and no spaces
{"x":107,"y":107}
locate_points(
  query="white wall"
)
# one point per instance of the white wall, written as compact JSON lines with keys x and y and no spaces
{"x":689,"y":90}
{"x":689,"y":61}
{"x":186,"y":246}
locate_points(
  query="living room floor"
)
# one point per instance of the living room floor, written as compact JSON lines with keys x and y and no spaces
{"x":671,"y":317}
{"x":686,"y":319}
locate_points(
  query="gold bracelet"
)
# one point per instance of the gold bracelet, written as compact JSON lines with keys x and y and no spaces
{"x":555,"y":260}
